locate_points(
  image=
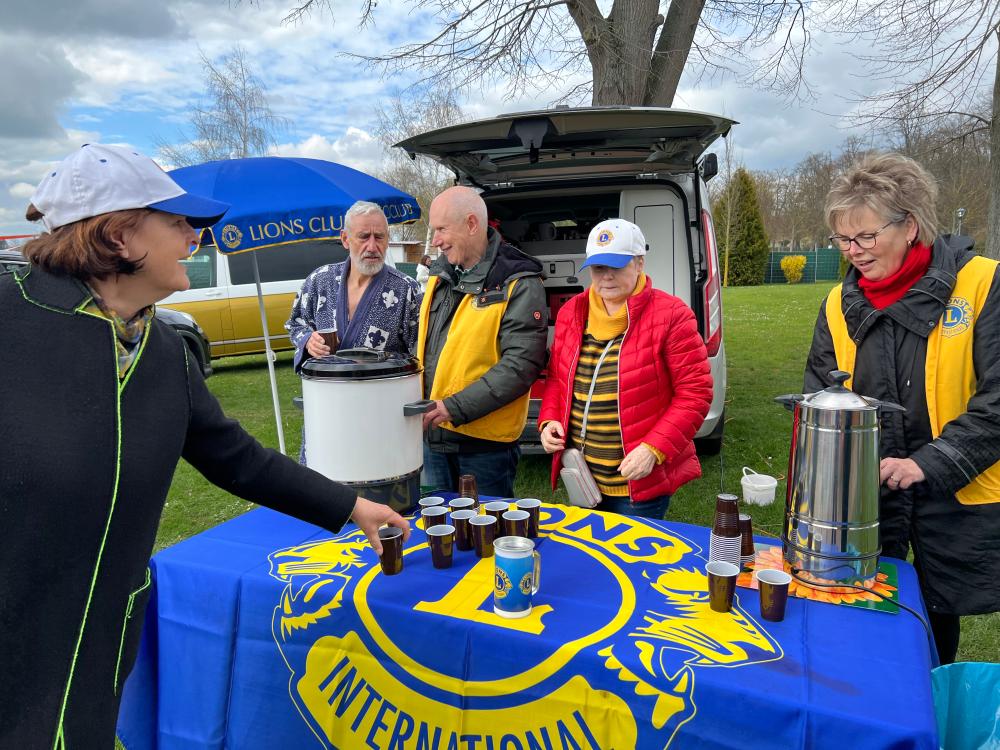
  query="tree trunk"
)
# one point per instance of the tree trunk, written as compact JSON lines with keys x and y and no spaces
{"x":992,"y":249}
{"x":671,"y":52}
{"x":619,"y":47}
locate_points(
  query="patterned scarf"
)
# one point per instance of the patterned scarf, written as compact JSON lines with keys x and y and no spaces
{"x":128,"y":333}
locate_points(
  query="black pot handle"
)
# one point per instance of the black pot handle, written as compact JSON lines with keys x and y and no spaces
{"x":422,"y":406}
{"x":789,"y":400}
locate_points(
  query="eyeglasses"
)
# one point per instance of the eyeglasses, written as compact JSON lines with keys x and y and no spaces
{"x":865,"y":240}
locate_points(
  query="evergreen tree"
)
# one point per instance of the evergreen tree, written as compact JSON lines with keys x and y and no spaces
{"x":740,"y":230}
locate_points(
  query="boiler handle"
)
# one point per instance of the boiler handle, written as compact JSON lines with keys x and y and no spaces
{"x":789,"y":400}
{"x":417,"y":407}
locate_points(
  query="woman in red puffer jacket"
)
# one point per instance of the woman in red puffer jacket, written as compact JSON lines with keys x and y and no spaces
{"x":628,"y":382}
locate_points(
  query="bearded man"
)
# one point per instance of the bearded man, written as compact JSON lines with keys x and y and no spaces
{"x":367,"y":303}
{"x":364,"y":301}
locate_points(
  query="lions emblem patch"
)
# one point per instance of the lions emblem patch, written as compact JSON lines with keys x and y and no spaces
{"x":957,"y":318}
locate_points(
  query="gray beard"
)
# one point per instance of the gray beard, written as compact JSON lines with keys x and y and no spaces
{"x":370,"y":268}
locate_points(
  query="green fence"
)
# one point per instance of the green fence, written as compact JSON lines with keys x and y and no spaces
{"x":821,"y":265}
{"x":410,"y":269}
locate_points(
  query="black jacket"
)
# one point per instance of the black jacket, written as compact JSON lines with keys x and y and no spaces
{"x":956,"y":547}
{"x":87,"y":462}
{"x":523,"y":335}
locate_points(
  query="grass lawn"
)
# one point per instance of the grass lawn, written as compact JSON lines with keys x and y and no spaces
{"x":767,"y":333}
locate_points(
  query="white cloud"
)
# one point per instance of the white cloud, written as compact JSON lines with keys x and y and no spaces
{"x":356,"y":149}
{"x":21,"y":190}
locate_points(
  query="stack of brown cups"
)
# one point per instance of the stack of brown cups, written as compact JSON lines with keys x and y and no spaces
{"x":746,"y":541}
{"x":467,"y":487}
{"x":725,"y":540}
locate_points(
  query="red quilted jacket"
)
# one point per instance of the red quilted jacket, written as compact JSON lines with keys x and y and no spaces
{"x":664,"y":384}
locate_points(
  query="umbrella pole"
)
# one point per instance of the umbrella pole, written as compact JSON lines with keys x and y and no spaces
{"x":270,"y":354}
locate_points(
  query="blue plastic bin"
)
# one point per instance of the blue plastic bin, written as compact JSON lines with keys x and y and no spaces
{"x":967,"y":705}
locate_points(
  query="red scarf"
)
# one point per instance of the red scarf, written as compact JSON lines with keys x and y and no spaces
{"x":885,"y":292}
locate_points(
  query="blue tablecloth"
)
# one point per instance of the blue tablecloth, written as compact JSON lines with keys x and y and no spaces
{"x":266,"y":632}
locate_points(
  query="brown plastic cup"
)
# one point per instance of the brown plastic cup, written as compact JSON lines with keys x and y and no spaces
{"x":467,"y":486}
{"x":484,"y":531}
{"x":534,"y":507}
{"x":515,"y":522}
{"x":721,"y":585}
{"x":433,"y":515}
{"x":442,"y":542}
{"x":391,"y":558}
{"x":746,"y":535}
{"x":727,"y":516}
{"x":430,"y":501}
{"x":773,"y":586}
{"x":463,"y":531}
{"x":463,"y":502}
{"x":497,"y":508}
{"x":330,"y":338}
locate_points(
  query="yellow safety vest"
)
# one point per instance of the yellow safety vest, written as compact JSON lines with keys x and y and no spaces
{"x":950,"y":371}
{"x":470,"y":350}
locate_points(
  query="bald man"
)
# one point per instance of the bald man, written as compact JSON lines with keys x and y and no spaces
{"x":482,"y":342}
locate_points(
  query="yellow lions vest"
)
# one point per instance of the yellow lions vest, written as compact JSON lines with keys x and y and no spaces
{"x":471,"y":349}
{"x":951,"y":374}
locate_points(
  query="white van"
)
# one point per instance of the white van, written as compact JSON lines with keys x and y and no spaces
{"x":549,"y":176}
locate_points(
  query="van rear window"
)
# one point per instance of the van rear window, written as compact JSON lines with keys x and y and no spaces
{"x":285,"y":262}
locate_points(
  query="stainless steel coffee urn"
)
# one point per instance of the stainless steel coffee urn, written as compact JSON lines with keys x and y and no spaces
{"x":831,"y":512}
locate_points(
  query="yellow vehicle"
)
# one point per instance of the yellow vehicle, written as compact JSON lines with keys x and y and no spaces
{"x":223,"y":296}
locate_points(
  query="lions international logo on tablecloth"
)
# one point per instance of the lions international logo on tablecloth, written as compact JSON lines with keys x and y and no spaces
{"x":957,"y":318}
{"x":420,"y":660}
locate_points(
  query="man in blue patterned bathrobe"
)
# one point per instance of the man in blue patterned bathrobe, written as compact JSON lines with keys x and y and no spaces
{"x":367,"y":303}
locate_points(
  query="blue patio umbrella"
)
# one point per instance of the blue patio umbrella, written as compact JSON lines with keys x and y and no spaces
{"x":278,"y":200}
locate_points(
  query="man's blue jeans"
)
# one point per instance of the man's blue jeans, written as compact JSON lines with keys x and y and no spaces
{"x":494,"y":470}
{"x":655,"y":508}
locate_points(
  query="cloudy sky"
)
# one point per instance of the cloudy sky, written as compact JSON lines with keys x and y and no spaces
{"x":119,"y":71}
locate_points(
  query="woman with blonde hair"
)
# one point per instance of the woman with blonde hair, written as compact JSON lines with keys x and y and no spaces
{"x":917,"y":322}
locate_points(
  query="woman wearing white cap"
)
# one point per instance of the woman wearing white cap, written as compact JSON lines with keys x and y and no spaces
{"x":628,"y":382}
{"x":102,"y":403}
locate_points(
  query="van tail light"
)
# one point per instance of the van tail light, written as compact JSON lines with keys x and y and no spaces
{"x":712,"y":290}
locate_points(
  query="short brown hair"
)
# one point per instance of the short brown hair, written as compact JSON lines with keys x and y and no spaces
{"x":84,"y":249}
{"x":891,"y":185}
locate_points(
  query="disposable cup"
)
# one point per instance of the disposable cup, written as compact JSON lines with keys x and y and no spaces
{"x":773,"y":586}
{"x":534,"y":507}
{"x":727,"y":521}
{"x":721,"y":585}
{"x":391,"y":558}
{"x":442,"y":542}
{"x":484,"y":531}
{"x":463,"y":531}
{"x":433,"y":515}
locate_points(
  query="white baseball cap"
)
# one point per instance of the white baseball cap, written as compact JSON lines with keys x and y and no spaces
{"x":613,"y":243}
{"x":97,"y":179}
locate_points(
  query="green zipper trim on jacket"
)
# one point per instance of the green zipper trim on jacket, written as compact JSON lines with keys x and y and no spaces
{"x":28,"y":298}
{"x":128,"y":616}
{"x":60,"y":740}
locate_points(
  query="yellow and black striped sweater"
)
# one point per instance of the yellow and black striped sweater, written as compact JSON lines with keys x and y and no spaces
{"x":602,"y":445}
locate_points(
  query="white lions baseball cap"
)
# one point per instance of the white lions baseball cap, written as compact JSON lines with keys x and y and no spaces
{"x":98,"y":179}
{"x":614,"y":243}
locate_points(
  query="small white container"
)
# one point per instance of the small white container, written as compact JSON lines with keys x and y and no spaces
{"x":758,"y":489}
